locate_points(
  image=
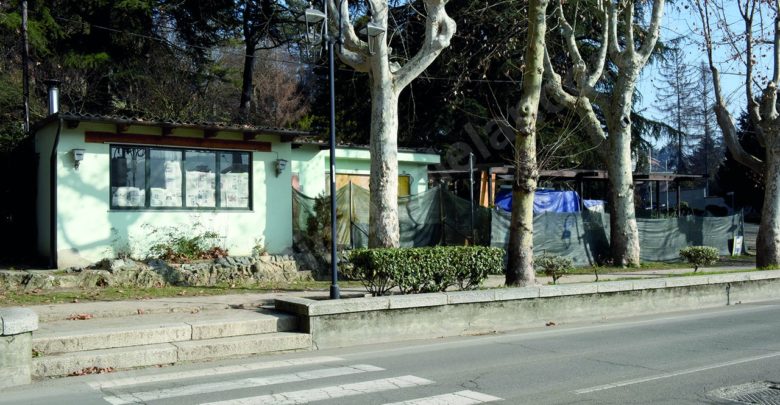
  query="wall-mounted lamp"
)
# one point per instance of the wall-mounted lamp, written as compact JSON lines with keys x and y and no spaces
{"x":281,"y":164}
{"x":78,"y":156}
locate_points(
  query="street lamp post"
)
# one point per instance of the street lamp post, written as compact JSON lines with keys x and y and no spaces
{"x":313,"y":16}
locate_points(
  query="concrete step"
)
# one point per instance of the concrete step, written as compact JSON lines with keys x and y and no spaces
{"x":169,"y":353}
{"x":115,"y":309}
{"x":107,"y":333}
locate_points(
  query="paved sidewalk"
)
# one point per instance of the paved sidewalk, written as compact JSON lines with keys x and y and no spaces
{"x":175,"y":305}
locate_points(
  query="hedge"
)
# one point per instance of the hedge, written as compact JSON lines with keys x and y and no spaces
{"x":420,"y":270}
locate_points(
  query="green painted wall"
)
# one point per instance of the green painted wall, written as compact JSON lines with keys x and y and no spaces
{"x":312,"y":165}
{"x":88,"y":230}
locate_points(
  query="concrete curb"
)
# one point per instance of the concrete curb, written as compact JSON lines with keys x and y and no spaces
{"x":338,"y":323}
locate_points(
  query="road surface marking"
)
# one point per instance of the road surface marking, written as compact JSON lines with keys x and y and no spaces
{"x":675,"y":374}
{"x":335,"y":391}
{"x":209,"y":372}
{"x":456,"y":398}
{"x":197,"y":389}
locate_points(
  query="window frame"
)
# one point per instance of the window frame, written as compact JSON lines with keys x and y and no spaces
{"x":183,"y":151}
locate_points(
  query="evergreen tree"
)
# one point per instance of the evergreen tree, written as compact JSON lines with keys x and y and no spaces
{"x":707,"y":154}
{"x":677,"y":101}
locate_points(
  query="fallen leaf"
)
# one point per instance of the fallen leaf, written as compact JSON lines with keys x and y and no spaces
{"x":91,"y":370}
{"x":551,"y":323}
{"x":75,"y":301}
{"x":80,"y":317}
{"x":141,"y":311}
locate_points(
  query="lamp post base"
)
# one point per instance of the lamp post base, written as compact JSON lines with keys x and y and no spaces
{"x":334,"y":292}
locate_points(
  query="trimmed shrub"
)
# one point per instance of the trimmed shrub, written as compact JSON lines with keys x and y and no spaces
{"x":700,"y":256}
{"x":420,"y":270}
{"x":554,"y":266}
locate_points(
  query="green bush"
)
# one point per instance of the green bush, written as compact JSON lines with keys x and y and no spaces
{"x":177,"y":245}
{"x":699,"y":256}
{"x":554,"y":266}
{"x":420,"y":270}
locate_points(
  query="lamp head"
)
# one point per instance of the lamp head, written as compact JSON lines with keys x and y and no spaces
{"x":373,"y":30}
{"x":312,"y":16}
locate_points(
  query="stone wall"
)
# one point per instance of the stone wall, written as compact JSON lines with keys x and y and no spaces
{"x":347,"y":322}
{"x":230,"y":271}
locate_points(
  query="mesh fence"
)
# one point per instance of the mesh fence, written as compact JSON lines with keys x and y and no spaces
{"x":438,"y":217}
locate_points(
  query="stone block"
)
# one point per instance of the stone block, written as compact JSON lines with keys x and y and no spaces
{"x":508,"y":294}
{"x":294,"y":305}
{"x":14,"y":321}
{"x":15,"y":360}
{"x":650,"y":284}
{"x":467,"y":297}
{"x":109,"y":338}
{"x":614,"y":286}
{"x":119,"y":358}
{"x":567,"y":289}
{"x":348,"y":305}
{"x":199,"y":350}
{"x":686,"y":281}
{"x":764,"y":275}
{"x":417,"y":300}
{"x":728,"y":278}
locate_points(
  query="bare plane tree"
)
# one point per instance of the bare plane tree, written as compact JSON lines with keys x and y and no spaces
{"x":762,"y":108}
{"x":520,"y":269}
{"x":628,"y":53}
{"x":387,"y":80}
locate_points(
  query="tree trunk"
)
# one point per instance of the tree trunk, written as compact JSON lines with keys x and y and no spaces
{"x":520,"y":267}
{"x":768,"y":241}
{"x":246,"y":83}
{"x":384,"y":230}
{"x":624,"y":234}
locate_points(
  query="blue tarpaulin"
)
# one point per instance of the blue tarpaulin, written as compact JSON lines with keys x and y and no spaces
{"x":544,"y":201}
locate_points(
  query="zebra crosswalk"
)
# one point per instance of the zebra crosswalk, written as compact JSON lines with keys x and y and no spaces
{"x":264,"y":383}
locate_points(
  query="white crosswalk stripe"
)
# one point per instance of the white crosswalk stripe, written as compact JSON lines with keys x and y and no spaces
{"x":196,"y":389}
{"x":456,"y":398}
{"x":211,"y":372}
{"x":216,"y":384}
{"x":336,"y":391}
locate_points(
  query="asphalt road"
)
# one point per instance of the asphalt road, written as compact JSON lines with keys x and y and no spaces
{"x":682,"y":358}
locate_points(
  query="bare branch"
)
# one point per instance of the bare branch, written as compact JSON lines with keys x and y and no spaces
{"x":354,"y":60}
{"x":653,"y":32}
{"x":725,"y":120}
{"x":342,"y":22}
{"x":629,"y":21}
{"x":439,"y":30}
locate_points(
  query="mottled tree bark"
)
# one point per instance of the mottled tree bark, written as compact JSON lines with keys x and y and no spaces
{"x":520,"y":267}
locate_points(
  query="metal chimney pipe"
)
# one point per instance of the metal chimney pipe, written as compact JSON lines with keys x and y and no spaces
{"x":54,"y":95}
